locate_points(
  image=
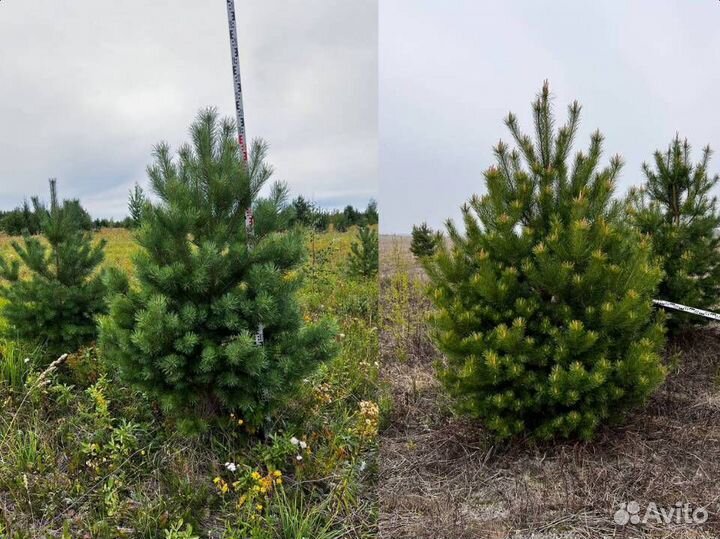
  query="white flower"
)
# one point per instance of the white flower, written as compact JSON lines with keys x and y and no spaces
{"x":363,"y":465}
{"x":231,"y":466}
{"x":303,"y":445}
{"x":294,"y":440}
{"x":341,"y":335}
{"x":27,"y":360}
{"x":298,"y":458}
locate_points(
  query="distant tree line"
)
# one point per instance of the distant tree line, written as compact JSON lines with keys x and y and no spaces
{"x":300,"y":211}
{"x":308,"y":214}
{"x":25,"y":218}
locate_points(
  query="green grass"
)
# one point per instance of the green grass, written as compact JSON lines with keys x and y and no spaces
{"x":82,"y":455}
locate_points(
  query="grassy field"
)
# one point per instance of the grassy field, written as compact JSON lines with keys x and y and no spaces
{"x":442,"y":477}
{"x":82,"y":455}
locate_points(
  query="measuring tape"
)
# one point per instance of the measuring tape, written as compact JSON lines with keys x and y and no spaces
{"x":239,"y":110}
{"x":240,"y":116}
{"x":684,"y":308}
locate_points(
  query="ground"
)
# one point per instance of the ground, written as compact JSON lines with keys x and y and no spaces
{"x":441,"y":477}
{"x":83,"y":456}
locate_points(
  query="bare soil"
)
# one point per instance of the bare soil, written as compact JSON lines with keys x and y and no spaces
{"x":442,"y":477}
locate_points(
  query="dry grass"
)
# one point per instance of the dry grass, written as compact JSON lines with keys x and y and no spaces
{"x":441,"y":477}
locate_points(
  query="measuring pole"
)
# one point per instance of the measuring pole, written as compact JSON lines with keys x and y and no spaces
{"x":685,"y":309}
{"x":239,"y":111}
{"x":242,"y":140}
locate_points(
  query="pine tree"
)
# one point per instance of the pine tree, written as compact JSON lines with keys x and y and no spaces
{"x":371,"y":212}
{"x":364,"y":253}
{"x":304,"y":211}
{"x":424,"y":241}
{"x":136,"y":202}
{"x":57,"y":301}
{"x":544,"y":305}
{"x":675,"y":208}
{"x":213,"y":325}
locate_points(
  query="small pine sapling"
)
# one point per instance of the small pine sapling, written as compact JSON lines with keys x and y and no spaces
{"x":675,"y":208}
{"x":544,"y":305}
{"x":55,"y":300}
{"x":424,"y":241}
{"x":364,"y":253}
{"x":136,"y":203}
{"x":212,"y":325}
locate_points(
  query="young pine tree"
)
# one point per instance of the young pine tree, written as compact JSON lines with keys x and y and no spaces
{"x":364,"y":253}
{"x":56,"y":303}
{"x":544,"y":305}
{"x":675,"y":208}
{"x":424,"y":241}
{"x":136,"y":203}
{"x":213,"y":325}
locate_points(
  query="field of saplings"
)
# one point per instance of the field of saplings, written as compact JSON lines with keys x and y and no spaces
{"x":204,"y":374}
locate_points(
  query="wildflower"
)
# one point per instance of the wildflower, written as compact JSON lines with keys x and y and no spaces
{"x":370,"y":415}
{"x":256,"y":476}
{"x":278,"y":481}
{"x":303,"y":445}
{"x":277,"y":473}
{"x":231,"y":466}
{"x":222,"y":486}
{"x":298,"y":458}
{"x":259,"y":507}
{"x":240,"y":422}
{"x":294,"y":440}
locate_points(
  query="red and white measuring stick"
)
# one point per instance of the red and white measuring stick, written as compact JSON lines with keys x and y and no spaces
{"x":242,"y":140}
{"x":239,"y":111}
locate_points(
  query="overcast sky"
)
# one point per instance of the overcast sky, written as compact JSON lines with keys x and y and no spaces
{"x":87,"y":88}
{"x":450,"y":71}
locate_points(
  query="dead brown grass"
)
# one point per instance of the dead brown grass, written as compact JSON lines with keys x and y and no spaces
{"x":441,"y":477}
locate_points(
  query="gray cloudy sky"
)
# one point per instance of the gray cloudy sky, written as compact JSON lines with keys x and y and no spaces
{"x":451,"y":70}
{"x":88,"y":87}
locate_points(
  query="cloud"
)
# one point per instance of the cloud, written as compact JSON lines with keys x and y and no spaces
{"x":87,"y":88}
{"x":450,"y":71}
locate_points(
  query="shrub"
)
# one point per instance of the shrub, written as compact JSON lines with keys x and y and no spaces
{"x":424,"y":241}
{"x":675,"y":209}
{"x":56,"y":304}
{"x":544,"y":304}
{"x":364,"y":257}
{"x":213,"y":325}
